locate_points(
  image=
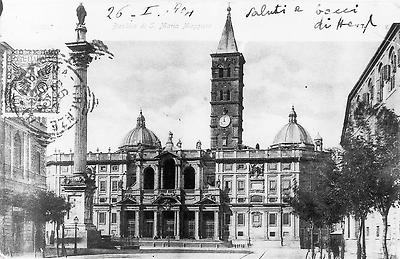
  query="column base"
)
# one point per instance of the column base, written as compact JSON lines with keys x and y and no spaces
{"x":177,"y":237}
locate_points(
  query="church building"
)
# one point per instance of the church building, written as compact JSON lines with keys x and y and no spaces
{"x":228,"y":194}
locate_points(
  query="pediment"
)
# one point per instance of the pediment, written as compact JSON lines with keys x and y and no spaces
{"x":166,"y":200}
{"x":127,"y":200}
{"x":206,"y":201}
{"x":166,"y":153}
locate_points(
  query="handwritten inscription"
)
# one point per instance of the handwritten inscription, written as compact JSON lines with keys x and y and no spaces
{"x":150,"y":10}
{"x":328,"y":18}
{"x":340,"y":18}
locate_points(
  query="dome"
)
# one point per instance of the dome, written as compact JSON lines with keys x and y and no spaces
{"x":293,"y":133}
{"x":140,"y":136}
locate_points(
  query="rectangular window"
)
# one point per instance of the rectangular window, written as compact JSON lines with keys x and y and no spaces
{"x":272,"y":234}
{"x":103,"y":200}
{"x":114,"y":186}
{"x":272,"y":199}
{"x":103,"y":186}
{"x":102,"y":218}
{"x":256,"y":218}
{"x":228,"y":186}
{"x":272,"y":185}
{"x":273,"y":166}
{"x":377,"y":231}
{"x":272,"y":219}
{"x":367,"y":230}
{"x":240,"y":218}
{"x":114,"y":168}
{"x":286,"y":219}
{"x":241,"y":166}
{"x":240,"y":186}
{"x":114,"y":200}
{"x":285,"y":185}
{"x":113,"y":217}
{"x":103,"y":168}
{"x":240,"y":233}
{"x":64,"y":169}
{"x":241,"y":200}
{"x":286,"y":166}
{"x":228,"y":167}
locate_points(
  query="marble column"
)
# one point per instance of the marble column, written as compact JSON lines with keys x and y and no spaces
{"x":155,"y":224}
{"x":197,"y":178}
{"x":177,"y":225}
{"x":196,"y":224}
{"x":156,"y":178}
{"x":162,"y":178}
{"x":137,"y":227}
{"x":179,"y":175}
{"x":216,"y":225}
{"x":139,"y":177}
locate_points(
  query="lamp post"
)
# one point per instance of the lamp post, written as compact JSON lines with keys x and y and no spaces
{"x":76,"y":220}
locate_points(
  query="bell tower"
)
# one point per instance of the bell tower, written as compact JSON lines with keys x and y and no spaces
{"x":227,"y":91}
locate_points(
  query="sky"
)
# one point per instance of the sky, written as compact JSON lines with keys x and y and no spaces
{"x":162,"y":63}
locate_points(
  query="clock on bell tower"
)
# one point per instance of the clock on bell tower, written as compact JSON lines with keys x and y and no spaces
{"x":227,"y":91}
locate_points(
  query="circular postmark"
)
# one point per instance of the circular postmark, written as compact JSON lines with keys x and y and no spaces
{"x":40,"y":92}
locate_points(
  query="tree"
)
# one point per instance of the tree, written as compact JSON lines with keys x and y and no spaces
{"x":356,"y":182}
{"x":5,"y":203}
{"x":44,"y":206}
{"x":317,"y":199}
{"x":386,"y":191}
{"x":371,"y":164}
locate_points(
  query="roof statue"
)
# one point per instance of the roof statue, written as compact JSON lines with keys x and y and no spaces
{"x":81,"y":13}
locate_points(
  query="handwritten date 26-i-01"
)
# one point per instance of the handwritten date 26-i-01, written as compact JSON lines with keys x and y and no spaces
{"x":154,"y":10}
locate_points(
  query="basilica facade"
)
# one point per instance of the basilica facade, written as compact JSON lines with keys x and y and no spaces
{"x":230,"y":193}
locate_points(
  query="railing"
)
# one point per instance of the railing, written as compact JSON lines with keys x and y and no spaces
{"x":266,"y":154}
{"x":126,"y":242}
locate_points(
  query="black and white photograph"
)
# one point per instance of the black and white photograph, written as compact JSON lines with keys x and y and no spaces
{"x":200,"y":129}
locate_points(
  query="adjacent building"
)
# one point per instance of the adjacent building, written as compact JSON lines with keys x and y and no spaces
{"x":228,"y":193}
{"x":22,"y":170}
{"x":378,"y":85}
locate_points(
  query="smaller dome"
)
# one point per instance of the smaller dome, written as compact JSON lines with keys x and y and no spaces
{"x":293,"y":133}
{"x":140,"y":136}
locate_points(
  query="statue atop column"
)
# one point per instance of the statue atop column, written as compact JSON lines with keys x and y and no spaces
{"x":81,"y":13}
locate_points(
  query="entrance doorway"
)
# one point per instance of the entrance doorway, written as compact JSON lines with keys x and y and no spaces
{"x":168,"y":224}
{"x":188,"y":224}
{"x":208,"y":224}
{"x":148,"y":220}
{"x":130,"y":222}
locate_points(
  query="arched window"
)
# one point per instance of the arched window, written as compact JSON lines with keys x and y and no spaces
{"x":37,"y":162}
{"x":221,"y":95}
{"x":371,"y":90}
{"x":169,"y":174}
{"x":228,"y":72}
{"x":148,"y":181}
{"x":189,"y":178}
{"x":380,"y":82}
{"x":17,"y":155}
{"x":220,"y":72}
{"x":393,"y":65}
{"x":228,"y":95}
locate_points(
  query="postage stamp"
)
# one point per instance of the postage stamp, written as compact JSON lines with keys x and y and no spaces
{"x":31,"y":82}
